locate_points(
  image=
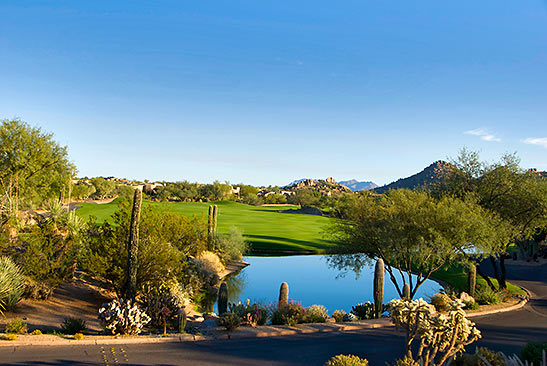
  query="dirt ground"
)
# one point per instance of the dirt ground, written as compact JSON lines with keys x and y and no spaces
{"x":77,"y":298}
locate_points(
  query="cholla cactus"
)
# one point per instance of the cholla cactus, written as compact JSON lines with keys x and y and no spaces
{"x":440,"y":336}
{"x":120,"y":316}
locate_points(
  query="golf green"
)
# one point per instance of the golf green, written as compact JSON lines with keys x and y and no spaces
{"x":264,"y":227}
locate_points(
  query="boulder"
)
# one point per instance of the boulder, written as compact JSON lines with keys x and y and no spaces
{"x":464,"y":296}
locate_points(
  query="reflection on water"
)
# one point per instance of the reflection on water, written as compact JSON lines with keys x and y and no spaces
{"x":311,"y":281}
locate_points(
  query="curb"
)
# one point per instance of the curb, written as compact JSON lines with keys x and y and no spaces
{"x":501,"y":310}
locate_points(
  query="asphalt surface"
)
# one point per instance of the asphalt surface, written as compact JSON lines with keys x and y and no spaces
{"x":506,"y":332}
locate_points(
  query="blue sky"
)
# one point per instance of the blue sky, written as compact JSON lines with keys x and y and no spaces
{"x":267,"y":92}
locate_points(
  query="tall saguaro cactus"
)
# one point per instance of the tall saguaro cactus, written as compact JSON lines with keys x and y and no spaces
{"x":223,"y":298}
{"x":406,"y":291}
{"x":379,"y":288}
{"x":215,"y":217}
{"x":472,"y":279}
{"x":210,"y":222}
{"x":133,"y":247}
{"x":284,"y":293}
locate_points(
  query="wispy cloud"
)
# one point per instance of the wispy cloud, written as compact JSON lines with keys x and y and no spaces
{"x":540,"y":141}
{"x":483,"y":134}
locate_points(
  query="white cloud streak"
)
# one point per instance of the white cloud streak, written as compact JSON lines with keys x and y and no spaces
{"x":483,"y":134}
{"x":539,"y":141}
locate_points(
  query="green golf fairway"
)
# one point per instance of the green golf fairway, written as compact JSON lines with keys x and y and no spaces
{"x":263,"y":227}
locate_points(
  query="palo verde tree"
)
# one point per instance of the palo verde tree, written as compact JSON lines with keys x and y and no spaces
{"x":517,"y":196}
{"x":411,"y":231}
{"x":33,"y":167}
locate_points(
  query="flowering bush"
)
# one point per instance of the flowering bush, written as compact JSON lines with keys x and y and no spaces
{"x":251,"y":314}
{"x":120,"y":316}
{"x":290,"y":314}
{"x":440,"y":336}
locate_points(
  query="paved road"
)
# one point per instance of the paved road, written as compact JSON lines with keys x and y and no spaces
{"x":506,"y":332}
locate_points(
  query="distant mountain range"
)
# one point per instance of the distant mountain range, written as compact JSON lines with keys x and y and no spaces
{"x":427,"y":177}
{"x":357,"y":186}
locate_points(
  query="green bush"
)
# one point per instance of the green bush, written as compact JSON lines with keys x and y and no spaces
{"x":230,"y":321}
{"x":169,"y":296}
{"x":73,"y":325}
{"x":36,"y":332}
{"x":290,"y":314}
{"x":16,"y":326}
{"x":363,"y":311}
{"x":440,"y":301}
{"x":316,"y":314}
{"x":11,"y":284}
{"x":407,"y":361}
{"x":471,"y":305}
{"x":338,"y":315}
{"x":532,"y":352}
{"x":231,"y":246}
{"x":486,"y":296}
{"x":492,"y":358}
{"x":346,"y":360}
{"x":78,"y":336}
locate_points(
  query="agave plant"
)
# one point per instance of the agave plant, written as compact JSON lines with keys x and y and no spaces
{"x":11,"y":283}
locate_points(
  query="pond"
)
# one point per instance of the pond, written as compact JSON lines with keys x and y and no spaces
{"x":311,"y":281}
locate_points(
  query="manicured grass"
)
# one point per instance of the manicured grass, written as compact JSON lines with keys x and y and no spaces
{"x":456,"y":276}
{"x":263,"y":227}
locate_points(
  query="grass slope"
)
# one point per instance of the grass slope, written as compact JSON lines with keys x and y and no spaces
{"x":263,"y":227}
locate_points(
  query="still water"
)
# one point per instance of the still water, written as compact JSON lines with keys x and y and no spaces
{"x":311,"y":281}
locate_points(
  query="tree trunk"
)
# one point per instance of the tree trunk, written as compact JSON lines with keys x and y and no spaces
{"x":133,"y":247}
{"x":495,"y":266}
{"x":486,"y":278}
{"x":503,"y":277}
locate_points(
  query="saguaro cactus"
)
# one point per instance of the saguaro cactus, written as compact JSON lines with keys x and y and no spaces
{"x":472,"y":279}
{"x":181,"y":321}
{"x":223,"y":298}
{"x":133,"y":247}
{"x":406,"y":291}
{"x":215,"y":217}
{"x":284,"y":293}
{"x":379,"y":288}
{"x":210,"y":222}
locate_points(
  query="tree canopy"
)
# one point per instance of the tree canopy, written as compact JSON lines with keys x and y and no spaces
{"x":33,"y":167}
{"x":414,"y":232}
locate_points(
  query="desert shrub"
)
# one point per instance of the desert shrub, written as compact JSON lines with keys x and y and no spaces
{"x":122,"y":317}
{"x":231,"y":246}
{"x":10,"y":337}
{"x":316,"y":314}
{"x":338,"y":315}
{"x":78,"y":336}
{"x":406,"y":361}
{"x":290,"y":314}
{"x":211,"y":262}
{"x":73,"y":325}
{"x":230,"y":321}
{"x":49,"y":255}
{"x":486,"y":296}
{"x":440,"y":301}
{"x":165,"y":240}
{"x":36,"y":332}
{"x":346,"y":360}
{"x":251,"y":314}
{"x":481,"y":355}
{"x":16,"y":326}
{"x":532,"y":352}
{"x":363,"y":311}
{"x":471,"y":305}
{"x":169,"y":296}
{"x":11,"y":283}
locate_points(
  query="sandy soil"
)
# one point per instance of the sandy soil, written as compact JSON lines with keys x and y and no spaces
{"x":77,"y":298}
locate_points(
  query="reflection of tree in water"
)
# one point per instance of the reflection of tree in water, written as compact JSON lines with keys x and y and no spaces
{"x":236,"y":284}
